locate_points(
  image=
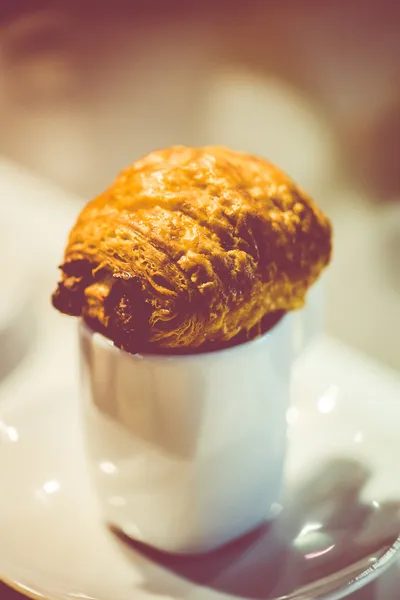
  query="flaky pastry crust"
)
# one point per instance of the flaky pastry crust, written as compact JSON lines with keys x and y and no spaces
{"x":191,"y":248}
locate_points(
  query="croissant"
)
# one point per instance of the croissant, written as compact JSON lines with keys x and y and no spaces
{"x":191,"y":248}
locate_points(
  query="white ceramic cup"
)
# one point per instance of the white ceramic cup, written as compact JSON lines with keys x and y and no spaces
{"x":187,"y":452}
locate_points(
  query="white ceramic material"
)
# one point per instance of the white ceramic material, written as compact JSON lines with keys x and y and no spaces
{"x":187,"y":452}
{"x":16,"y":319}
{"x":55,"y":544}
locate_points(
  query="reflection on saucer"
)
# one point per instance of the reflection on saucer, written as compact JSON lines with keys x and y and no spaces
{"x":324,"y":528}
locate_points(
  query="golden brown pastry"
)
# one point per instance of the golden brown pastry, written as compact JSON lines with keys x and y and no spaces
{"x":190,"y":248}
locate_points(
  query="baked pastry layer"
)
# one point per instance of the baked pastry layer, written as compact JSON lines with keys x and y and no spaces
{"x":191,"y":247}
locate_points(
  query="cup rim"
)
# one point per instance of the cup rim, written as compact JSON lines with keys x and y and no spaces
{"x":84,"y":328}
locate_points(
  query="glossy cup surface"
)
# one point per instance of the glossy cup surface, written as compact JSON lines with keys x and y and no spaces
{"x":187,"y":452}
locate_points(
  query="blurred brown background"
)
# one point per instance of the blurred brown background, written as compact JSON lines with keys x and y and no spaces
{"x":86,"y":87}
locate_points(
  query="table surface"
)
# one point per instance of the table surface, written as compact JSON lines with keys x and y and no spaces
{"x":7,"y":593}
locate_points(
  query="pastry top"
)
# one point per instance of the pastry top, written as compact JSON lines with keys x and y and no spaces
{"x":191,"y":247}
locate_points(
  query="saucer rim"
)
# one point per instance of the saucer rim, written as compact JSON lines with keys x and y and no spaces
{"x":360,"y":581}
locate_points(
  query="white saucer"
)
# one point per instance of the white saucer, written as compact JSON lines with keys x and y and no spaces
{"x":16,"y":318}
{"x":338,"y":528}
